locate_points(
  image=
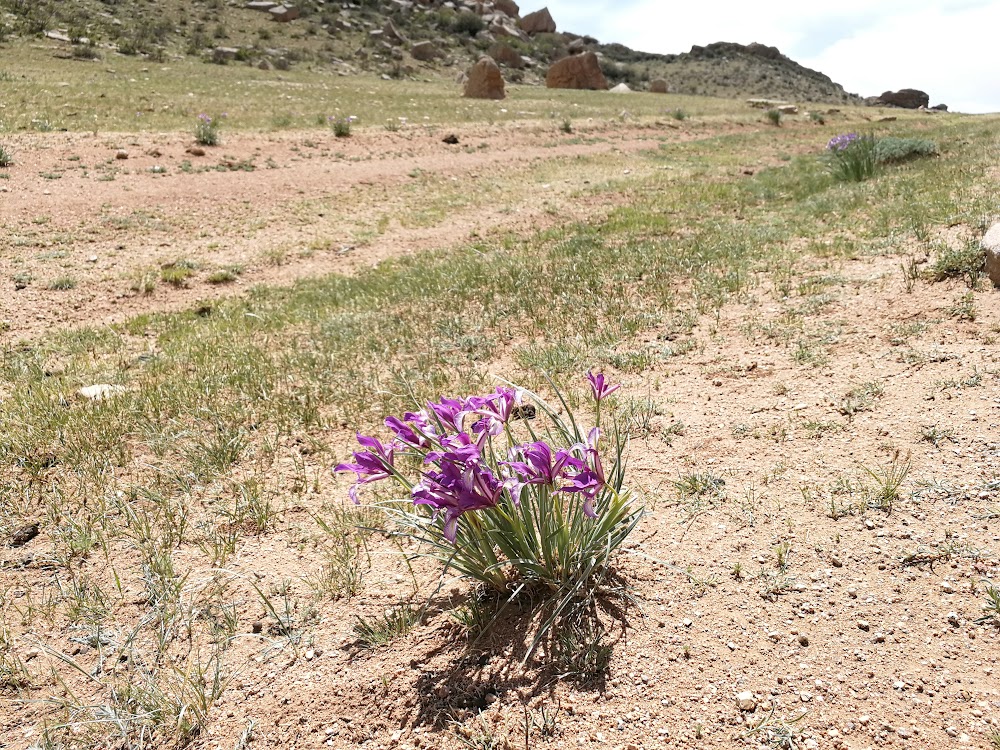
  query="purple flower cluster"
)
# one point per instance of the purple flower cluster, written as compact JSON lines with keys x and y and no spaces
{"x":842,"y":141}
{"x":460,"y":473}
{"x":205,"y":119}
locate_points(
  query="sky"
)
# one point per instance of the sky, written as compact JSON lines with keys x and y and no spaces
{"x":947,"y":48}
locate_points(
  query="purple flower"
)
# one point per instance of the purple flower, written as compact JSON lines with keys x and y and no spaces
{"x":371,"y":465}
{"x":589,"y":478}
{"x":495,"y":410}
{"x":458,"y":449}
{"x":841,"y":142}
{"x":456,"y":489}
{"x":450,"y":412}
{"x":406,"y":433}
{"x":599,"y":387}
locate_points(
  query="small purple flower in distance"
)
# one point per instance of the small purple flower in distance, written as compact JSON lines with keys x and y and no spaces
{"x":599,"y":387}
{"x":842,"y":141}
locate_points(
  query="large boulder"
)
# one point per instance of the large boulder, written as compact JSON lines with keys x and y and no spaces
{"x":577,"y":72}
{"x":658,"y":86}
{"x":905,"y":99}
{"x":991,"y":244}
{"x":485,"y":81}
{"x":508,"y":6}
{"x":504,"y":54}
{"x":539,"y":22}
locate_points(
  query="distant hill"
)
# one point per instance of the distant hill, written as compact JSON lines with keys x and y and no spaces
{"x":384,"y":36}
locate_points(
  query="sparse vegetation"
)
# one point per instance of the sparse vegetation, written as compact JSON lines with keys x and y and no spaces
{"x":6,"y":160}
{"x":206,"y":130}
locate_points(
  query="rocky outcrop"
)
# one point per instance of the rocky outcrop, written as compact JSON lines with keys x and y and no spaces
{"x":577,"y":72}
{"x":539,"y":22}
{"x":506,"y":55}
{"x":485,"y":81}
{"x":509,"y":7}
{"x":658,"y":86}
{"x":905,"y":99}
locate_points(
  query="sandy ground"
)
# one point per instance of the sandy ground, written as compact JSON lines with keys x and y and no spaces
{"x":309,"y":204}
{"x":867,"y":638}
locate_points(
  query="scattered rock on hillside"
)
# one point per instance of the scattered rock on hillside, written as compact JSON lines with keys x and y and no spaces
{"x":658,"y":86}
{"x":284,"y":13}
{"x":766,"y":103}
{"x":224,"y":54}
{"x":577,"y":72}
{"x":451,"y":139}
{"x":425,"y":51}
{"x":940,"y":107}
{"x":991,"y":244}
{"x":905,"y":98}
{"x":504,"y":54}
{"x":508,"y":7}
{"x":263,"y":6}
{"x":621,"y":88}
{"x":539,"y":22}
{"x":788,"y":109}
{"x":392,"y":35}
{"x":485,"y":81}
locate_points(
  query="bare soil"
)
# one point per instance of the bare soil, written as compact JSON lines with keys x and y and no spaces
{"x":863,"y":634}
{"x":279,"y":206}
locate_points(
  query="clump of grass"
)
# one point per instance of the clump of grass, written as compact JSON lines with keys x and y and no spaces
{"x":177,"y":273}
{"x":679,"y":114}
{"x":853,"y":157}
{"x":6,"y":160}
{"x":818,"y":118}
{"x":698,"y":485}
{"x":936,"y":435}
{"x":891,"y":150}
{"x":385,"y":628}
{"x":774,"y":117}
{"x":966,"y":262}
{"x":144,"y":282}
{"x":862,"y":398}
{"x":206,"y":131}
{"x":566,"y":126}
{"x":964,"y":307}
{"x":62,"y":284}
{"x":581,"y":650}
{"x":342,"y":126}
{"x":992,"y":609}
{"x":884,"y":492}
{"x":225,"y":275}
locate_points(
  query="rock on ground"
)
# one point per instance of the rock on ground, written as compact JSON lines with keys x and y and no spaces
{"x":504,"y":54}
{"x":509,"y":7}
{"x":485,"y":81}
{"x":424,"y":51}
{"x":991,"y":244}
{"x":577,"y":72}
{"x":658,"y":86}
{"x":539,"y":22}
{"x":621,"y":88}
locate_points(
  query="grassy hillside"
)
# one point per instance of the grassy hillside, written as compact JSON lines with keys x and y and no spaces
{"x":350,"y":39}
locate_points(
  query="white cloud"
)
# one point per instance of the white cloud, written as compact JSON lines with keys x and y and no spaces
{"x":944,"y":47}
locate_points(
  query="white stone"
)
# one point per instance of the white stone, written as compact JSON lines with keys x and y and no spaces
{"x":101,"y":391}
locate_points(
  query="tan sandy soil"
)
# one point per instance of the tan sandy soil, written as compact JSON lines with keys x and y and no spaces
{"x":312,"y":204}
{"x":869,"y":635}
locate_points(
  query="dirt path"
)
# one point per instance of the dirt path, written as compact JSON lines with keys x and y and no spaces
{"x":91,"y":220}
